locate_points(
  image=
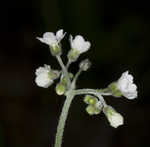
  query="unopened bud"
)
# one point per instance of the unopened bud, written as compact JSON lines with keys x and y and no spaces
{"x":94,"y":109}
{"x":115,"y":119}
{"x":63,"y":79}
{"x":85,"y":65}
{"x":88,"y":99}
{"x":90,"y":109}
{"x":60,"y":89}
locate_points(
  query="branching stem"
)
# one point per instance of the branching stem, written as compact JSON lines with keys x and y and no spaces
{"x":65,"y":72}
{"x":73,"y":84}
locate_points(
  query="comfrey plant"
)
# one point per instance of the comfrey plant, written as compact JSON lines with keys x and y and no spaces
{"x":94,"y":98}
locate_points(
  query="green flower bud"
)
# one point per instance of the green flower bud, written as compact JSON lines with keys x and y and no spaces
{"x":63,"y":79}
{"x":97,"y":111}
{"x":94,"y":109}
{"x":88,"y":99}
{"x":71,"y":76}
{"x":90,"y":109}
{"x":60,"y":89}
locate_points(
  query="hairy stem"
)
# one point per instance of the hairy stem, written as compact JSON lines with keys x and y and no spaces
{"x":75,"y":78}
{"x":62,"y":120}
{"x":68,"y":64}
{"x":93,"y":92}
{"x":65,"y":72}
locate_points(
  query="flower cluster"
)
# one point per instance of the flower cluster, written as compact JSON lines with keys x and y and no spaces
{"x":94,"y":98}
{"x":94,"y":106}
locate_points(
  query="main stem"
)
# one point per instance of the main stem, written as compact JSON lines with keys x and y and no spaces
{"x":62,"y":119}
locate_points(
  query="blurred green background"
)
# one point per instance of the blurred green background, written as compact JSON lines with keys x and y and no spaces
{"x":119,"y":34}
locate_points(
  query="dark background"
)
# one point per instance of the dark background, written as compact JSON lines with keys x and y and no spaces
{"x":119,"y":33}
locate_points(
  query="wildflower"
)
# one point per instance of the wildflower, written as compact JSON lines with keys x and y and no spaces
{"x":45,"y":76}
{"x":126,"y":86}
{"x":115,"y":119}
{"x":53,"y":40}
{"x":78,"y":46}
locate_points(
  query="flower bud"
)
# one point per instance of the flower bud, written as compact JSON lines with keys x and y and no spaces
{"x":93,"y":109}
{"x":115,"y":119}
{"x":63,"y":79}
{"x":85,"y":65}
{"x":88,"y":99}
{"x":60,"y":89}
{"x":90,"y":109}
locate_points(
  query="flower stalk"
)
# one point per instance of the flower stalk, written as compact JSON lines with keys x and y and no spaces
{"x":64,"y":69}
{"x":62,"y":119}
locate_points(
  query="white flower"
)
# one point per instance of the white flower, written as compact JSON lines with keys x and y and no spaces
{"x":126,"y":86}
{"x":79,"y":44}
{"x":45,"y":76}
{"x":115,"y":119}
{"x":42,"y":76}
{"x":51,"y":39}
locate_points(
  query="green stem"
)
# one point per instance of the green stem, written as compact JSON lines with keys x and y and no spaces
{"x":68,"y":64}
{"x":93,"y":92}
{"x":65,"y":72}
{"x":62,"y":119}
{"x":75,"y":79}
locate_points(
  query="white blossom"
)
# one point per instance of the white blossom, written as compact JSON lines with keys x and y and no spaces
{"x":51,"y":39}
{"x":79,"y":44}
{"x":126,"y":86}
{"x":45,"y":76}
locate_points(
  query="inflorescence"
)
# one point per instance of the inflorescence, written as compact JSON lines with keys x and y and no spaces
{"x":94,"y":98}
